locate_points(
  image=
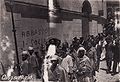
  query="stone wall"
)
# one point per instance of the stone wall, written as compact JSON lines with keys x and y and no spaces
{"x":7,"y":50}
{"x":38,"y":28}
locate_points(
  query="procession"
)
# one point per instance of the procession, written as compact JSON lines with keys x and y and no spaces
{"x":60,"y":40}
{"x":75,"y":62}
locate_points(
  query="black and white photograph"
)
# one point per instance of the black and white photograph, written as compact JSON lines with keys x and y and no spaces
{"x":59,"y":40}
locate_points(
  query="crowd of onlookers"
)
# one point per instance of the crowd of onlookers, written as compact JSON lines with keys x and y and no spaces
{"x":80,"y":59}
{"x":75,"y":62}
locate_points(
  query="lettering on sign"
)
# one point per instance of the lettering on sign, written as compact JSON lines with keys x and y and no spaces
{"x":33,"y":37}
{"x":34,"y":32}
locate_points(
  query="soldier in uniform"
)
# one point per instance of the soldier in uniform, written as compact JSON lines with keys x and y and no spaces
{"x":24,"y":64}
{"x":33,"y":63}
{"x":55,"y":72}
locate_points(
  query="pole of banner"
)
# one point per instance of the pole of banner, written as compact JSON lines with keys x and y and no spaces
{"x":14,"y":33}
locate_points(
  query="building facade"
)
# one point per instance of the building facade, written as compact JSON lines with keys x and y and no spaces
{"x":32,"y":24}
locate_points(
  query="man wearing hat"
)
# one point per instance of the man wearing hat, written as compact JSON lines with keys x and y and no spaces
{"x":109,"y":53}
{"x":24,"y":64}
{"x":33,"y":63}
{"x":83,"y":65}
{"x":55,"y":72}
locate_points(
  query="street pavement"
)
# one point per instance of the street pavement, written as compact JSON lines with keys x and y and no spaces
{"x":101,"y":76}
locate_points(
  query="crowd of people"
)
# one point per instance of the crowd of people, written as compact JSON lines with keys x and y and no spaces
{"x":75,"y":62}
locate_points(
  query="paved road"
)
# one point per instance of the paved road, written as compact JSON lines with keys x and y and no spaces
{"x":103,"y":77}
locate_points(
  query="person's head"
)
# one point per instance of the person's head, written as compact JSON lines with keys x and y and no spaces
{"x":117,"y":42}
{"x":81,"y":52}
{"x":75,"y":39}
{"x":81,"y":39}
{"x":108,"y":40}
{"x":63,"y":54}
{"x":94,"y":43}
{"x":24,"y":55}
{"x":89,"y":45}
{"x":42,"y":47}
{"x":54,"y":60}
{"x":37,"y":53}
{"x":30,"y":50}
{"x":52,"y":41}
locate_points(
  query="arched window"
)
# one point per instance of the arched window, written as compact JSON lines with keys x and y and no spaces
{"x":86,"y":8}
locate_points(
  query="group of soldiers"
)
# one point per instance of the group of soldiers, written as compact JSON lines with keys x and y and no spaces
{"x":77,"y":62}
{"x":29,"y":64}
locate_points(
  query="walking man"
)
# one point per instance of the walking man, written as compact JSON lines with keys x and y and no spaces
{"x":115,"y":57}
{"x":67,"y":64}
{"x":55,"y":72}
{"x":84,"y":68}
